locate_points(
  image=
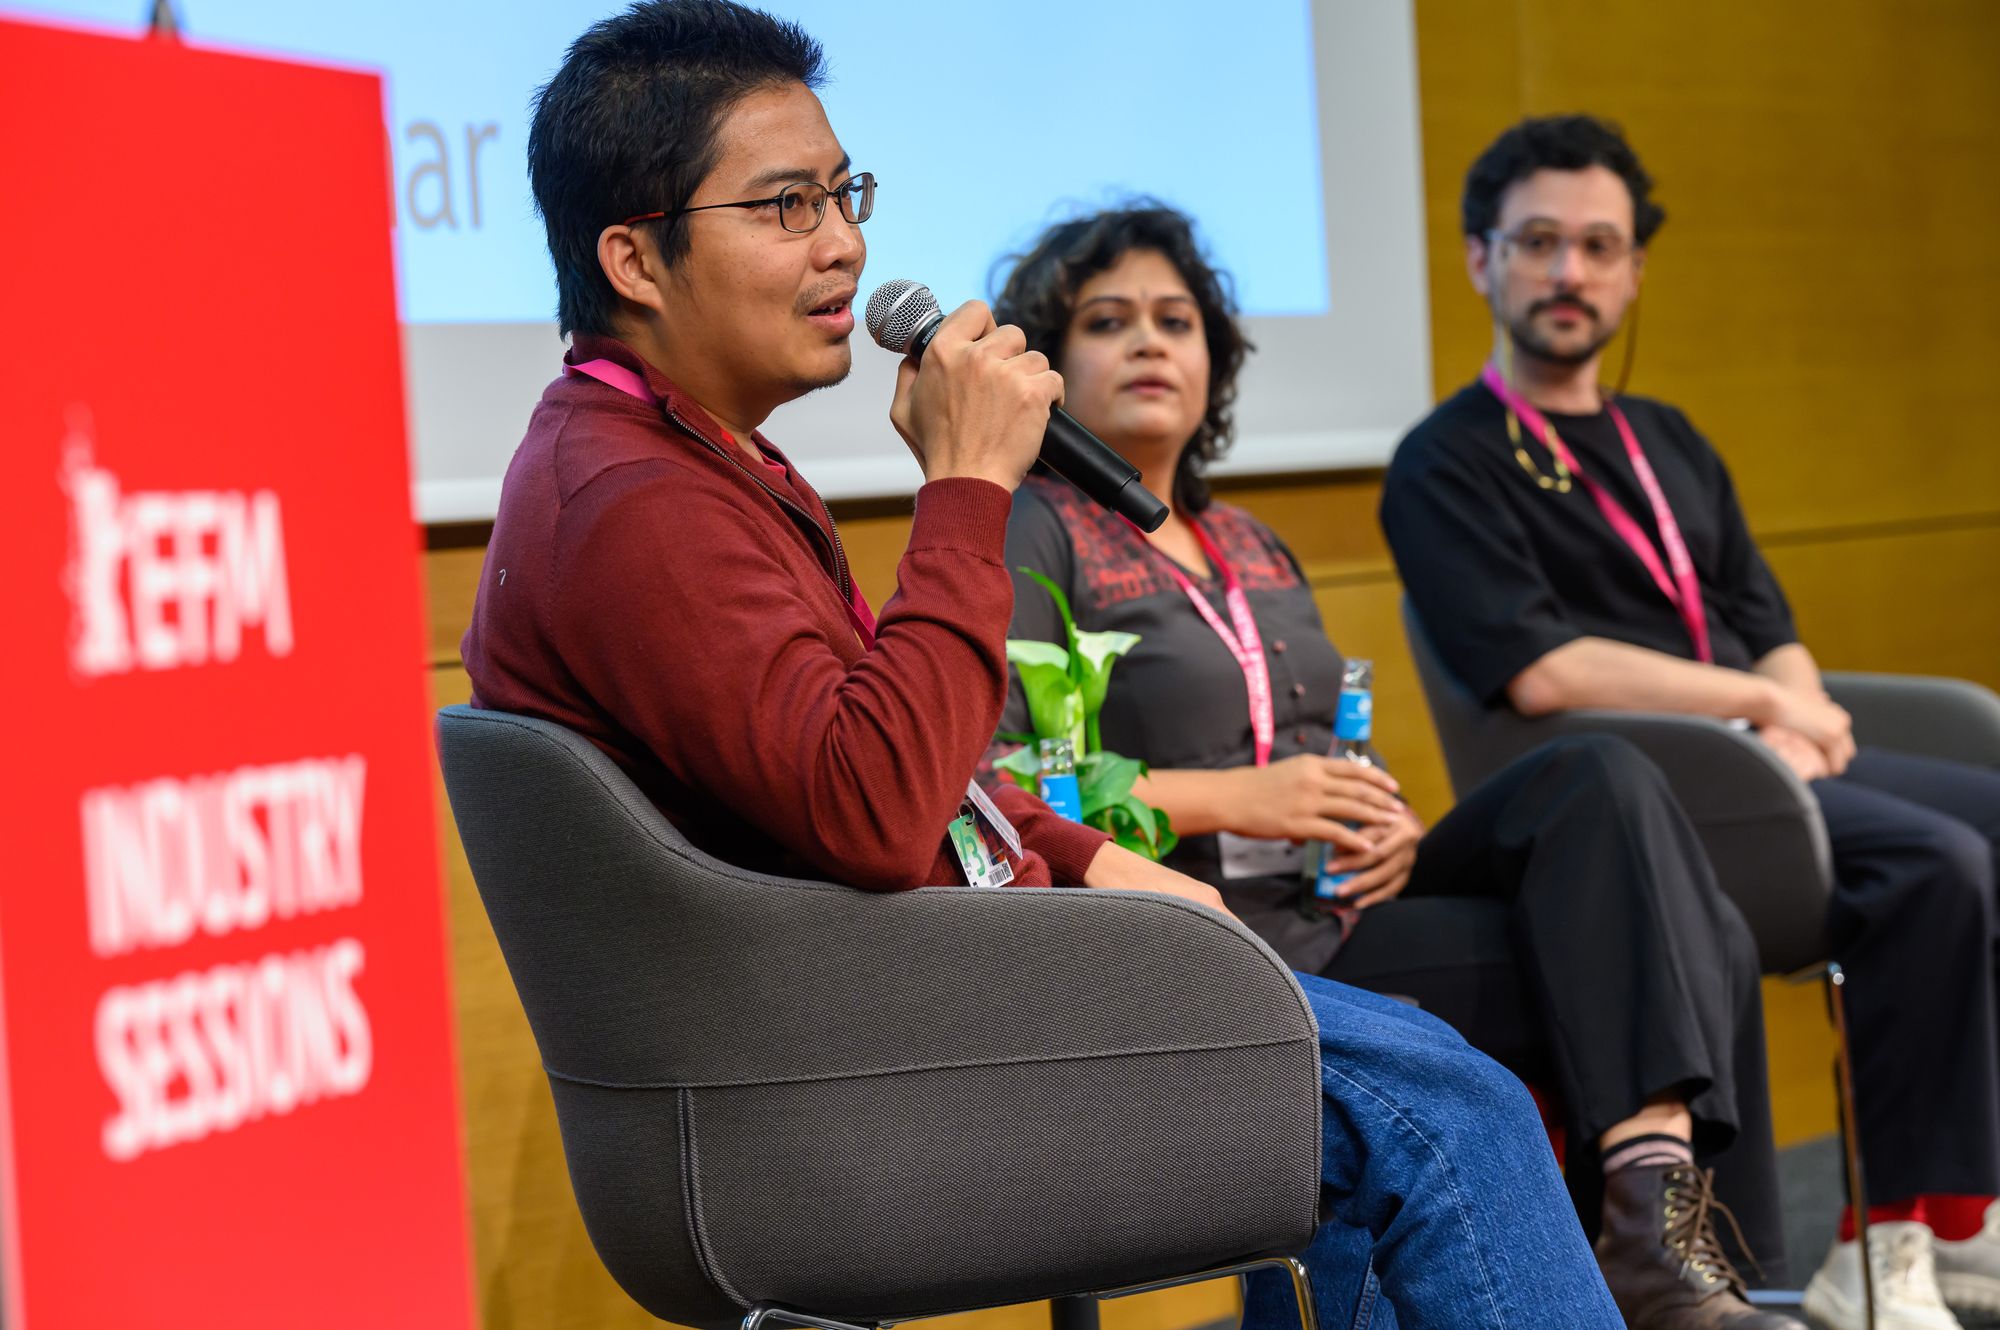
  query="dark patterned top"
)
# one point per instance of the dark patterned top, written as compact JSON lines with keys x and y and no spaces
{"x":1177,"y":700}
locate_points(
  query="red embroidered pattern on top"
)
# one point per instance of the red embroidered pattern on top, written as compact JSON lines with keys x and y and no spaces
{"x":1110,"y":557}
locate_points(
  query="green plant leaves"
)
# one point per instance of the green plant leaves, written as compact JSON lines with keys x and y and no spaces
{"x":1097,"y":652}
{"x":1023,"y":766}
{"x":1104,"y":780}
{"x":1139,"y":827}
{"x":1055,"y":703}
{"x":1065,"y":691}
{"x":1062,"y":608}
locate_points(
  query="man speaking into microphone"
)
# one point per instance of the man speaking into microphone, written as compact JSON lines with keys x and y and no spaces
{"x":661,"y":580}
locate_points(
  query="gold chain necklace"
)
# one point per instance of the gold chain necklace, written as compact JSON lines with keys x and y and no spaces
{"x":1560,"y":481}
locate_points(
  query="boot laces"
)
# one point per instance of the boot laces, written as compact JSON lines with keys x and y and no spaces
{"x":1691,"y":1211}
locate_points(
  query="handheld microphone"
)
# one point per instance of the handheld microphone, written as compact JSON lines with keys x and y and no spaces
{"x":903,"y":316}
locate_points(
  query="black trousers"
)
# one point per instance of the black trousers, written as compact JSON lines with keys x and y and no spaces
{"x":1564,"y":918}
{"x":1915,"y":842}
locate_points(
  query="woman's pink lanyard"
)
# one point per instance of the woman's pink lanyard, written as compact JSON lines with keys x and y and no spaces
{"x":1245,"y":644}
{"x":615,"y":375}
{"x":1683,"y":589}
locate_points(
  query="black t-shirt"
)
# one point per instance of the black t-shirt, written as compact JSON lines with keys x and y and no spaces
{"x":1501,"y":572}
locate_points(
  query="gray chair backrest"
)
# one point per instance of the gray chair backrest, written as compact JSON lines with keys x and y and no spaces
{"x":1477,"y":740}
{"x":1759,"y":823}
{"x":878,"y":1106}
{"x":1948,"y":718}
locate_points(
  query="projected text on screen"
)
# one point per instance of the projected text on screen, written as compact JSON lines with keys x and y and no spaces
{"x":1035,"y":109}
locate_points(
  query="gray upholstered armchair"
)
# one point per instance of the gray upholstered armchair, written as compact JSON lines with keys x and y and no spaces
{"x":789,"y":1100}
{"x":1759,"y":822}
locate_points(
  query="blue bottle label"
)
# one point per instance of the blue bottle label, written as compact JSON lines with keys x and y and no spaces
{"x":1326,"y":885}
{"x":1355,"y":721}
{"x":1061,"y":794}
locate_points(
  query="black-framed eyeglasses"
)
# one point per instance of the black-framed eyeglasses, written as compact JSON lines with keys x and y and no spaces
{"x":1602,"y":249}
{"x":801,"y":207}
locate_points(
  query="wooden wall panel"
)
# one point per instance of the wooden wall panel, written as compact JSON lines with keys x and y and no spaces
{"x":1920,"y":600}
{"x":1799,"y":1053}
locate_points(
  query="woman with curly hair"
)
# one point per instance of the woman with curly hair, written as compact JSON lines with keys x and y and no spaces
{"x":1562,"y":917}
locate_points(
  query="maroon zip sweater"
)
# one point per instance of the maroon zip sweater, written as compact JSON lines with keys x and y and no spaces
{"x":647,"y":588}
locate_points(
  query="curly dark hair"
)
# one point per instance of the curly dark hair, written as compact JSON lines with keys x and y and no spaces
{"x":1040,"y":296}
{"x":1556,"y":143}
{"x":631,"y":124}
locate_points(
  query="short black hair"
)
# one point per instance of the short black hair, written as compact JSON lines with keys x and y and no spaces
{"x":1040,"y":296}
{"x":629,"y":124}
{"x":1556,"y":143}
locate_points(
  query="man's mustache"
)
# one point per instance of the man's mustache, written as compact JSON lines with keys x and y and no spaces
{"x":1566,"y":302}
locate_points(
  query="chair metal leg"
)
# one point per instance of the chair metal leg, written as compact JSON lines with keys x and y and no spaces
{"x":1073,"y":1313}
{"x":1302,"y":1290}
{"x":765,"y":1313}
{"x":768,"y":1314}
{"x":1835,"y":980}
{"x":1291,"y":1265}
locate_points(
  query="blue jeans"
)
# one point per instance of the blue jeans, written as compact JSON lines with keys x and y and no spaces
{"x":1444,"y":1207}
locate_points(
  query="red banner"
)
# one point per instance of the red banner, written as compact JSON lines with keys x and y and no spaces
{"x":229,"y":1086}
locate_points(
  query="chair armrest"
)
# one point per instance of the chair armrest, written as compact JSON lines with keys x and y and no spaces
{"x":1063,"y":1089}
{"x":1910,"y":713}
{"x":1758,"y":821}
{"x":972,"y":1097}
{"x":1718,"y":771}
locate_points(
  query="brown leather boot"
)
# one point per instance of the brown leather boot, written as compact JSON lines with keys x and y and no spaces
{"x":1660,"y":1257}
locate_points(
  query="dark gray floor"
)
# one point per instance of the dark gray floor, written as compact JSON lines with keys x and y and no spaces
{"x":1812,"y":1191}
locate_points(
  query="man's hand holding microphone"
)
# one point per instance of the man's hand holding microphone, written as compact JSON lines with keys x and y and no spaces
{"x":977,"y":403}
{"x":903,"y":317}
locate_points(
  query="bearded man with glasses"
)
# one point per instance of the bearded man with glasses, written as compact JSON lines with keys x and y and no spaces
{"x":1567,"y":546}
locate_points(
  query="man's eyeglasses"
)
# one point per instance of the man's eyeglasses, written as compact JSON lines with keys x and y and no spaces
{"x":1543,"y":247}
{"x":801,"y":207}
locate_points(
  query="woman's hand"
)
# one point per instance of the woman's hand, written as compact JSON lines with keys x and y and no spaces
{"x":1116,"y":868}
{"x":1309,"y":797}
{"x":1383,"y":870}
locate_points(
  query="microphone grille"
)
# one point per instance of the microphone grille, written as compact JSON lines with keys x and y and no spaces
{"x":897,"y":311}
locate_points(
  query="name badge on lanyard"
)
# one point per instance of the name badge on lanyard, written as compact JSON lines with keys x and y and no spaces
{"x":1241,"y":856}
{"x":982,"y":862}
{"x":1683,"y":588}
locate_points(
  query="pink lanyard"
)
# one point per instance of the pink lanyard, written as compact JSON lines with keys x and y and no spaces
{"x":1683,"y":589}
{"x":625,"y":381}
{"x":1245,"y":644}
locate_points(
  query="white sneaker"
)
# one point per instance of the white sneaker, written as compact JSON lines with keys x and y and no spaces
{"x":1906,"y":1283}
{"x":1968,"y":1272}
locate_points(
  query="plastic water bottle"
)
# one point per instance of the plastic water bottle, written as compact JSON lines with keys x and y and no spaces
{"x":1058,"y":780}
{"x":1353,"y":726}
